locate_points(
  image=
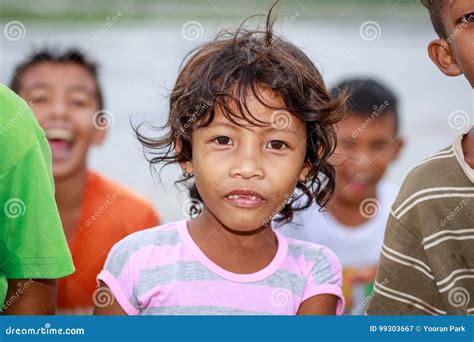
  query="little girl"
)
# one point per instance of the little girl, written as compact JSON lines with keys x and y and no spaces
{"x":250,"y":120}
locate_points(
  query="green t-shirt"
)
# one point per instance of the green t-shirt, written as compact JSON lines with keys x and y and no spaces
{"x":32,"y":241}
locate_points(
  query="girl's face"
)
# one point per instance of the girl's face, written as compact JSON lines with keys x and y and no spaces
{"x":244,"y":173}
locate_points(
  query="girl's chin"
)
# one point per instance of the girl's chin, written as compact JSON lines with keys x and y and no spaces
{"x":245,"y":225}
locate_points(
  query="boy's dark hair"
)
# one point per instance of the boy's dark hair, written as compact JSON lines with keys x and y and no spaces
{"x":436,"y":9}
{"x":55,"y":56}
{"x":368,"y":98}
{"x":226,"y":71}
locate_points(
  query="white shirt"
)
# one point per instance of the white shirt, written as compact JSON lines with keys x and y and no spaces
{"x":358,"y":247}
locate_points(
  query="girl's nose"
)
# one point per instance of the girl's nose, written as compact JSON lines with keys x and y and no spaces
{"x":248,"y":162}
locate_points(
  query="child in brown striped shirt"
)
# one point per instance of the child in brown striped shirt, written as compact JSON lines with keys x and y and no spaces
{"x":427,"y":260}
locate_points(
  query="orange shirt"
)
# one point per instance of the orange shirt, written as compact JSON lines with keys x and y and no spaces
{"x":109,"y":212}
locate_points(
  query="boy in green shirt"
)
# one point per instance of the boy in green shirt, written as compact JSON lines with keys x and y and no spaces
{"x":33,"y":249}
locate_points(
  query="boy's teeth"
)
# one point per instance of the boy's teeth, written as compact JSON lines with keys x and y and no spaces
{"x":59,"y":133}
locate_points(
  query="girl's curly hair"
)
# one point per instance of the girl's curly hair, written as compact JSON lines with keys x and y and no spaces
{"x":226,"y":71}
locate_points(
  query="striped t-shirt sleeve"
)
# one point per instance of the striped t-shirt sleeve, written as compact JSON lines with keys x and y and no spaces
{"x":325,"y":276}
{"x":120,"y":275}
{"x":426,"y":261}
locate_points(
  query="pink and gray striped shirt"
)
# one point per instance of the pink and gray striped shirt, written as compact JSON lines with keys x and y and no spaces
{"x":162,"y":271}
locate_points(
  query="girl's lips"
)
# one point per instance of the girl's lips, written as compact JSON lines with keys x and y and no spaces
{"x":245,"y":199}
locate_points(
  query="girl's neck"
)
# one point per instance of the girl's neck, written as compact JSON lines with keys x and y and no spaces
{"x":207,"y":225}
{"x":232,"y":251}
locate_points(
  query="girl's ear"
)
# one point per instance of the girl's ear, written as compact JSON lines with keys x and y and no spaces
{"x":186,"y":166}
{"x":304,"y":172}
{"x":441,"y":54}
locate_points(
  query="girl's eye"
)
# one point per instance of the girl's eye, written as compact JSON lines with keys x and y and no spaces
{"x":277,"y":145}
{"x":222,"y":140}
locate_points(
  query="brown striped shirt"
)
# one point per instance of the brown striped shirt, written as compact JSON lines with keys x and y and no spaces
{"x":427,"y":260}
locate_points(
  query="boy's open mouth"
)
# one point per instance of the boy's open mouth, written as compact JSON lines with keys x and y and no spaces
{"x":245,"y":198}
{"x":61,"y":142}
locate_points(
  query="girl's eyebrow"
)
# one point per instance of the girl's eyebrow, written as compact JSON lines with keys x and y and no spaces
{"x":224,"y":124}
{"x":272,"y":129}
{"x":264,"y":130}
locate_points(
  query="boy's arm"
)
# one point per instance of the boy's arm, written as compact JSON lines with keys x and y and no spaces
{"x":30,"y":297}
{"x":32,"y":241}
{"x":404,"y":284}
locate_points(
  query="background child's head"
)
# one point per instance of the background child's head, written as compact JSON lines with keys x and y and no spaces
{"x":453,"y":21}
{"x":250,"y":112}
{"x":64,"y":93}
{"x":368,"y":139}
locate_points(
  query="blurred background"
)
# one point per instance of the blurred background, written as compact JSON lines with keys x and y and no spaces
{"x":140,"y":44}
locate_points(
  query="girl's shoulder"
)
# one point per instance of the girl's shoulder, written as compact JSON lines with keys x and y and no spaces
{"x":310,"y":253}
{"x":166,"y":235}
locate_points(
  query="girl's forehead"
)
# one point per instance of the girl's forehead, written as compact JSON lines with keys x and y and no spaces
{"x":260,"y":119}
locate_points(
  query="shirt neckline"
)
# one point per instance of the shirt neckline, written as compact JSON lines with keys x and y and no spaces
{"x":265,"y":272}
{"x":458,"y":152}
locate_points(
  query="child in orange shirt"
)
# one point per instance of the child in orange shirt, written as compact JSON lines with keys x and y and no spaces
{"x":65,"y":96}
